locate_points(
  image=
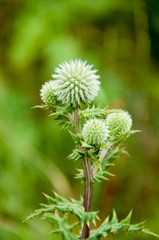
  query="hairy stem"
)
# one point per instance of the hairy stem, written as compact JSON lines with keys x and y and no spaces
{"x":88,"y":194}
{"x":88,"y":188}
{"x":77,"y":121}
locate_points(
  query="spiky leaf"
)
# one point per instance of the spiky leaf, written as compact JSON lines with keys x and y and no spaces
{"x":62,"y":226}
{"x":97,"y":112}
{"x":114,"y":227}
{"x":65,"y":206}
{"x":76,"y":154}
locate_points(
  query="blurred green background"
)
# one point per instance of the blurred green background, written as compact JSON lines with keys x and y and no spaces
{"x":121,"y":38}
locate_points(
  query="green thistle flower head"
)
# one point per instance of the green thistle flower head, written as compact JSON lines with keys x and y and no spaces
{"x":119,"y":123}
{"x":95,"y":132}
{"x":47,"y":94}
{"x":75,"y":82}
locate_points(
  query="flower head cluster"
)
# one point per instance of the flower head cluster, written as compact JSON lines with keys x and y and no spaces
{"x":75,"y":82}
{"x":47,"y":94}
{"x":119,"y":123}
{"x":95,"y":132}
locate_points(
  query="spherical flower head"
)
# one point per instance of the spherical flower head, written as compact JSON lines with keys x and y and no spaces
{"x":119,"y":123}
{"x":75,"y":82}
{"x":47,"y":94}
{"x":95,"y":132}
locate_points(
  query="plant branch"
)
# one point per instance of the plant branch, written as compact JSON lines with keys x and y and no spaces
{"x":88,"y":194}
{"x":77,"y":121}
{"x":86,"y":164}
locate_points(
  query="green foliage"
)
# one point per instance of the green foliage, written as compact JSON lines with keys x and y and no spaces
{"x":63,"y":115}
{"x":62,"y":226}
{"x":93,"y":112}
{"x":65,"y":206}
{"x":76,"y":155}
{"x":60,"y":222}
{"x":101,"y":173}
{"x":114,"y":227}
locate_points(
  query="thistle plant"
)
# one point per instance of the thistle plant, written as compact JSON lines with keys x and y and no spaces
{"x":99,"y":134}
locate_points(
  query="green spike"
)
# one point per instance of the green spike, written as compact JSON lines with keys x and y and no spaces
{"x":49,"y":199}
{"x":146,"y":231}
{"x":41,"y":106}
{"x":114,"y":218}
{"x":106,"y":222}
{"x":136,"y":227}
{"x":128,"y":218}
{"x":59,"y":198}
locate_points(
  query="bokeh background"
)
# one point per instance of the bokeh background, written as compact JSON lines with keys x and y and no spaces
{"x":121,"y":38}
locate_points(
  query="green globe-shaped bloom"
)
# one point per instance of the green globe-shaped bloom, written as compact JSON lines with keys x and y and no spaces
{"x":95,"y":132}
{"x":47,"y":94}
{"x":75,"y":82}
{"x":119,"y":123}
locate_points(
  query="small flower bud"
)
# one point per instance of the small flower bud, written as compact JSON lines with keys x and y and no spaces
{"x":119,"y":123}
{"x":48,"y":95}
{"x":75,"y":82}
{"x":95,"y":132}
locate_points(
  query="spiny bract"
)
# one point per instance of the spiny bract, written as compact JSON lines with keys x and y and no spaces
{"x":95,"y":132}
{"x":75,"y":82}
{"x":119,"y":123}
{"x":48,"y":95}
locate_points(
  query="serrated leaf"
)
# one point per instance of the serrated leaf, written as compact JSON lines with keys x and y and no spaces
{"x":116,"y":227}
{"x":94,"y":112}
{"x":76,"y":154}
{"x":97,"y":112}
{"x":102,"y":175}
{"x":103,"y":230}
{"x":61,"y":111}
{"x":65,"y":206}
{"x":62,"y":226}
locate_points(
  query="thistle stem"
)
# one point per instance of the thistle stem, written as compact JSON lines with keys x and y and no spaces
{"x":77,"y":121}
{"x":88,"y":194}
{"x":88,"y":188}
